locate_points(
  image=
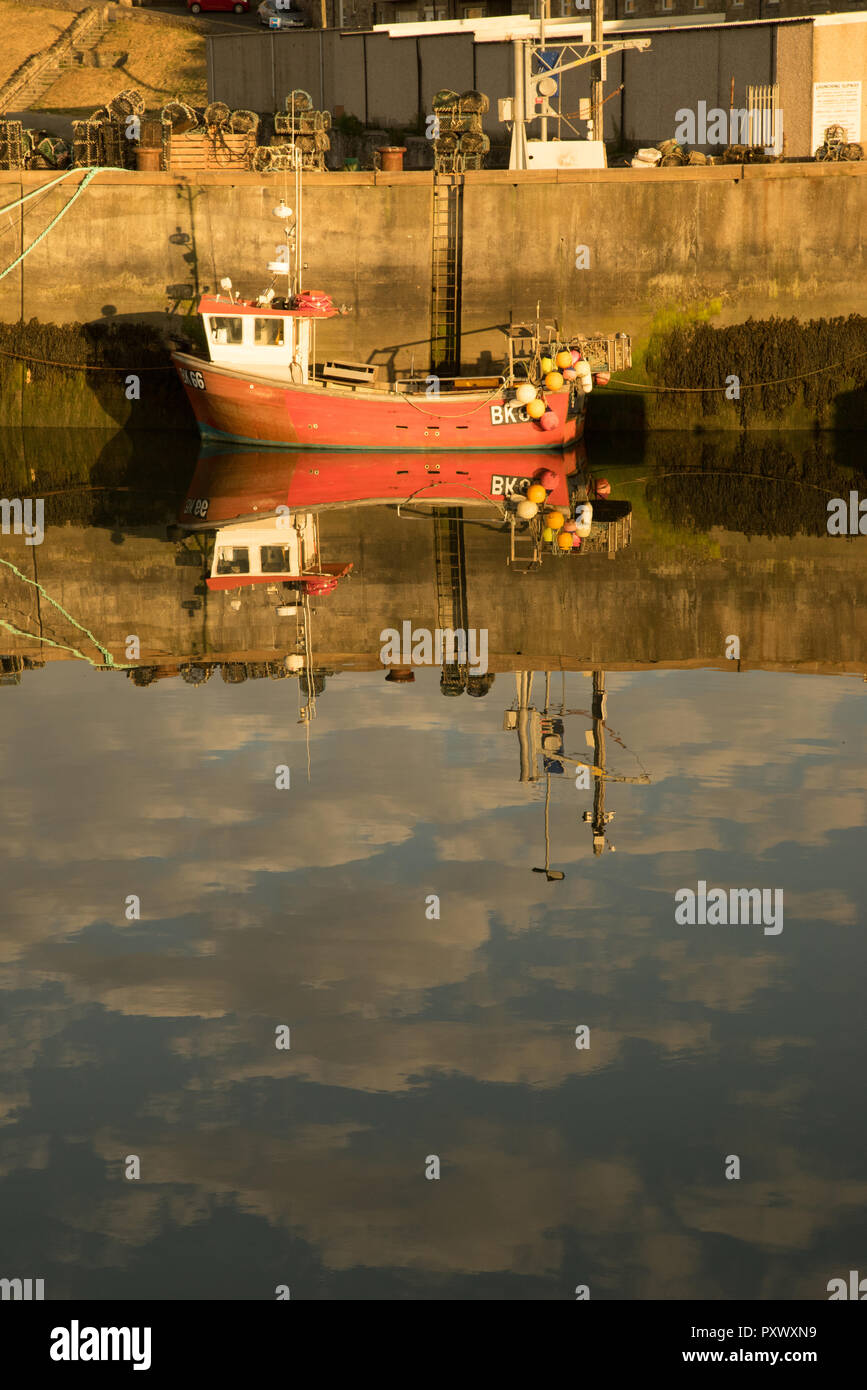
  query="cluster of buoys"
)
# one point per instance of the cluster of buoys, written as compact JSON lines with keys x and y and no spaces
{"x":562,"y":532}
{"x":561,"y":367}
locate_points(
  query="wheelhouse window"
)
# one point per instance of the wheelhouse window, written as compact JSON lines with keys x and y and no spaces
{"x":233,"y":559}
{"x":275,"y":559}
{"x":227,"y":328}
{"x":269,"y":332}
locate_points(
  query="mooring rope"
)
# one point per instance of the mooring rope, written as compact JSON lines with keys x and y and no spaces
{"x":748,"y":386}
{"x":78,"y":366}
{"x":109,"y":659}
{"x":88,"y":176}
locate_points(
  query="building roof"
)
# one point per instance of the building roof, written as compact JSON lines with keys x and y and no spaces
{"x":499,"y":27}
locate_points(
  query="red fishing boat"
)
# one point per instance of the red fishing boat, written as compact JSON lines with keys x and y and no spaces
{"x":264,"y":383}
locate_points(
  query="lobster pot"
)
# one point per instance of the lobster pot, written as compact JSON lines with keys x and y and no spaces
{"x":243,"y":123}
{"x":217,"y":113}
{"x":85,"y":144}
{"x":696,"y":157}
{"x":445,"y":97}
{"x":11,"y":145}
{"x":475,"y":102}
{"x":282,"y":157}
{"x":302,"y":123}
{"x":299,"y":100}
{"x":54,"y":152}
{"x":151,"y":136}
{"x":179,"y":117}
{"x":474,"y":143}
{"x":127,"y":103}
{"x":115,"y":151}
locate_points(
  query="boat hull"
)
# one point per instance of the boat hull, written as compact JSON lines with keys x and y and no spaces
{"x":239,"y":407}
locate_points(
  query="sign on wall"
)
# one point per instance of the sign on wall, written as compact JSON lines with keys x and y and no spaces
{"x":836,"y":103}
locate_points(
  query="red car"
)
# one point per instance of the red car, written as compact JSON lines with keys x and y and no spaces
{"x":236,"y":6}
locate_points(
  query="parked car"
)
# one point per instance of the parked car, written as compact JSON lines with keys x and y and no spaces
{"x":276,"y":14}
{"x":235,"y":6}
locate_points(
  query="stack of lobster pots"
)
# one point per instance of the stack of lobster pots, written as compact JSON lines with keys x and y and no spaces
{"x":459,"y":140}
{"x":224,"y":139}
{"x":109,"y":137}
{"x":11,"y":145}
{"x":298,"y":130}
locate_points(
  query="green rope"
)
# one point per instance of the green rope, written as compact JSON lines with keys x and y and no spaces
{"x":43,"y":188}
{"x":34,"y":637}
{"x":109,"y":659}
{"x":90,"y":174}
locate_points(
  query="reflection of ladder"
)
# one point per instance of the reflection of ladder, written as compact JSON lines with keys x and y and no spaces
{"x":451,"y":569}
{"x":525,"y":543}
{"x":446,"y":253}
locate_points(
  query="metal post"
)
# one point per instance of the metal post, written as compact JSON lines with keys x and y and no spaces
{"x":518,"y":157}
{"x":598,"y":70}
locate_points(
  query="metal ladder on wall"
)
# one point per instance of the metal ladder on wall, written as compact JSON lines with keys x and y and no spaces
{"x":446,"y":258}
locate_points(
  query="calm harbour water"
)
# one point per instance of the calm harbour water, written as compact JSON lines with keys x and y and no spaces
{"x":414,"y":1035}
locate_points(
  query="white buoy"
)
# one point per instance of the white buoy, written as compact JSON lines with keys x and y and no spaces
{"x":294,"y":662}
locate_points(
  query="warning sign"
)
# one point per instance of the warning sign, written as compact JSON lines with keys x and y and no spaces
{"x":836,"y":103}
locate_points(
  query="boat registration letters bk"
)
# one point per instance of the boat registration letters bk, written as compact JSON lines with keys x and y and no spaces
{"x":504,"y":484}
{"x":509,"y":415}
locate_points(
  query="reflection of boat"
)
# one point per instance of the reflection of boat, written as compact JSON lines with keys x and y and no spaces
{"x":249,"y":484}
{"x":269,"y":551}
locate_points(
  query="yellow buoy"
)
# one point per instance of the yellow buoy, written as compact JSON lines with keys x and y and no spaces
{"x":564,"y":540}
{"x":555,"y":520}
{"x":564,"y":359}
{"x":553,"y":381}
{"x":547,"y":364}
{"x":536,"y":493}
{"x":536,"y":408}
{"x":525,"y":393}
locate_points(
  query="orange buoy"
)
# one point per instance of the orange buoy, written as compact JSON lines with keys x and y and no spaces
{"x":564,"y":540}
{"x":536,"y":493}
{"x":555,"y":520}
{"x":564,"y":359}
{"x":553,"y":381}
{"x":536,"y":408}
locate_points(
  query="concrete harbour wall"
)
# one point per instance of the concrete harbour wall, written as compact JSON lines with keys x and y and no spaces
{"x":730,"y":242}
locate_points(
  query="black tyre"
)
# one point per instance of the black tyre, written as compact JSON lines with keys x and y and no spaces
{"x":195,"y":9}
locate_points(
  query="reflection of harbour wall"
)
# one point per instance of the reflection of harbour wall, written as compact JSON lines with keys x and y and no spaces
{"x":789,"y":601}
{"x":744,"y":240}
